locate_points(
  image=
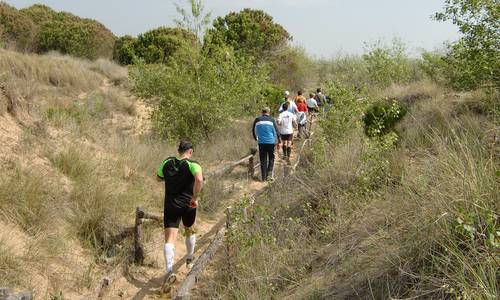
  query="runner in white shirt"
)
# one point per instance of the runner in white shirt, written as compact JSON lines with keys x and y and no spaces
{"x":287,"y":121}
{"x":292,"y":107}
{"x":312,"y":104}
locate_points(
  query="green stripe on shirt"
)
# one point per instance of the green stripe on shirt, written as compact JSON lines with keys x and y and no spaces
{"x":159,"y":172}
{"x":194,"y":167}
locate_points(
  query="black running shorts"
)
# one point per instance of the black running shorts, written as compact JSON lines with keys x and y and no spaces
{"x":286,"y":137}
{"x":172,"y":216}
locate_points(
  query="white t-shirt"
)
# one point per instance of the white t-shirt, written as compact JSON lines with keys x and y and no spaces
{"x":292,"y":107}
{"x":302,"y":118}
{"x":312,"y":103}
{"x":285,"y":121}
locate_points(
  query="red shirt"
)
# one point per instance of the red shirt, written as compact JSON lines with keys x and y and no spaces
{"x":302,"y":107}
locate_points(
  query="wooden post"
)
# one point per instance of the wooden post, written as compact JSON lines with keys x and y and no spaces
{"x":251,"y":167}
{"x":286,"y":170}
{"x":138,"y":247}
{"x":228,"y":217}
{"x":184,"y":291}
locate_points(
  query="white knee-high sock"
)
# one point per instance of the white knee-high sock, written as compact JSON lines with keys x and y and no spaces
{"x":169,"y":252}
{"x":190,"y":243}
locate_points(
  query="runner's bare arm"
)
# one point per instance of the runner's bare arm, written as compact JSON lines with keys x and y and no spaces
{"x":198,"y":185}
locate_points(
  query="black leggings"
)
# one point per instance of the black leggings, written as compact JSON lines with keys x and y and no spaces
{"x":266,"y":155}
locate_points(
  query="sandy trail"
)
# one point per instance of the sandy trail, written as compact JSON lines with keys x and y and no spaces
{"x":144,"y":282}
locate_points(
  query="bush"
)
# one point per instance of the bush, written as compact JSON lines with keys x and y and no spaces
{"x":225,"y":86}
{"x":381,"y":117}
{"x":69,"y":34}
{"x":349,"y":70}
{"x":387,"y":65}
{"x":124,"y":50}
{"x":291,"y":67}
{"x":346,"y":114}
{"x":158,"y":45}
{"x":16,"y":29}
{"x":84,"y":38}
{"x":272,"y":94}
{"x":250,"y":32}
{"x":474,"y":60}
{"x":434,"y":65}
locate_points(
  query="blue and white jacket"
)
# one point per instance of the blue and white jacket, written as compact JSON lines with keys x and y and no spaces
{"x":265,"y":130}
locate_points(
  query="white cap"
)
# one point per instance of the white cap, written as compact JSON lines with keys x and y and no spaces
{"x":287,"y":93}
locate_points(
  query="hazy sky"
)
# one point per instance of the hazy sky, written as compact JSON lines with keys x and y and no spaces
{"x":323,"y":27}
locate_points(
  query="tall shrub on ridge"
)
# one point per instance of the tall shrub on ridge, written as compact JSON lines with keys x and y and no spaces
{"x":70,"y":34}
{"x":16,"y":29}
{"x":251,"y":32}
{"x":196,"y":93}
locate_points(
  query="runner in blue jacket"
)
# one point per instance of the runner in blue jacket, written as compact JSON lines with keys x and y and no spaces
{"x":265,"y":132}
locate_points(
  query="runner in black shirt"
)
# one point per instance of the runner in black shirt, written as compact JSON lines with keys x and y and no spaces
{"x":183,"y":183}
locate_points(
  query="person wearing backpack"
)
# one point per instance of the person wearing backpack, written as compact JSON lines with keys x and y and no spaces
{"x":183,"y":179}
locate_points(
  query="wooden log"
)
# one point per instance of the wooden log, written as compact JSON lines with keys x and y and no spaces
{"x":138,"y":247}
{"x":184,"y":291}
{"x":141,"y":213}
{"x":233,"y":165}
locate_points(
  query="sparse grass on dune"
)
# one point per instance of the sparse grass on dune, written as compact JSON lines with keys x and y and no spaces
{"x":51,"y":70}
{"x":10,"y":265}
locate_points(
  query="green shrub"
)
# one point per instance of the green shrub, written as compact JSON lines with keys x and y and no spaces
{"x":251,"y":32}
{"x":225,"y":86}
{"x":69,"y":34}
{"x":381,"y":117}
{"x":474,"y":60}
{"x":124,"y":50}
{"x":291,"y":67}
{"x":17,"y":29}
{"x":346,"y":114}
{"x":434,"y":65}
{"x":272,"y":94}
{"x":387,"y":65}
{"x":349,"y":70}
{"x":158,"y":45}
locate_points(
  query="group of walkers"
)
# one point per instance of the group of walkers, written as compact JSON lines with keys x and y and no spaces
{"x":271,"y":133}
{"x":183,"y":177}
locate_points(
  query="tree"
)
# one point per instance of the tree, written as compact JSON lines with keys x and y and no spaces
{"x":388,"y":65}
{"x":70,"y":34}
{"x":251,"y":32}
{"x":196,"y":21}
{"x":16,"y":29}
{"x":194,"y":94}
{"x":158,"y":45}
{"x":474,"y":60}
